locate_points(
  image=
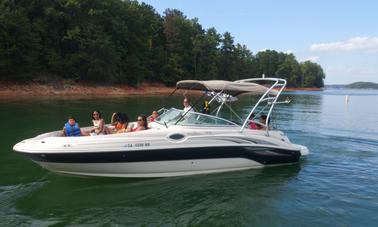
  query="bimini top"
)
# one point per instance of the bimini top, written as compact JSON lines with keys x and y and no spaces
{"x":233,"y":88}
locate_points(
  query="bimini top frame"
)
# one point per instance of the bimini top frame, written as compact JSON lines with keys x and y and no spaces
{"x":226,"y":91}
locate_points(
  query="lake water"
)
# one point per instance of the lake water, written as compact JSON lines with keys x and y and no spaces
{"x":336,"y":185}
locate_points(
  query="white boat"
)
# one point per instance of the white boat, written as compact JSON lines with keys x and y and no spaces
{"x":178,"y":143}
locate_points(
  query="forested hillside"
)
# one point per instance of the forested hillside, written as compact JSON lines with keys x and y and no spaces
{"x":126,"y":42}
{"x":362,"y":85}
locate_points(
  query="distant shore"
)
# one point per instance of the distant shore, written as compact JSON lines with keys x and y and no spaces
{"x":303,"y":89}
{"x":81,"y":90}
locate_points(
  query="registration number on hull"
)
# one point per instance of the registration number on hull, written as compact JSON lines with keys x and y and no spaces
{"x":138,"y":145}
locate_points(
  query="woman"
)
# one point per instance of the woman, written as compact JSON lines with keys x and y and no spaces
{"x":119,"y":122}
{"x":141,"y":123}
{"x":98,"y":123}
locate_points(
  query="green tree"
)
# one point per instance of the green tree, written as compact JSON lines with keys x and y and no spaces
{"x":267,"y":62}
{"x":245,"y":62}
{"x":227,"y":58}
{"x":20,"y":46}
{"x":289,"y":69}
{"x":115,"y":41}
{"x":313,"y":75}
{"x":210,"y":54}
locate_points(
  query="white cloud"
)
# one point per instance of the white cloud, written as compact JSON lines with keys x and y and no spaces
{"x":365,"y":44}
{"x":311,"y":58}
{"x":288,"y":51}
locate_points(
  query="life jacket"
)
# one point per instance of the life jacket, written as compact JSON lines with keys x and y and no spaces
{"x":119,"y":126}
{"x":205,"y":107}
{"x":252,"y":125}
{"x":72,"y":130}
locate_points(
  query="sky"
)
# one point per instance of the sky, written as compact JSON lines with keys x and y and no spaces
{"x":341,"y":36}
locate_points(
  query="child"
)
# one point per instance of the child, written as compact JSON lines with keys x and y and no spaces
{"x":71,"y":128}
{"x":154,"y":115}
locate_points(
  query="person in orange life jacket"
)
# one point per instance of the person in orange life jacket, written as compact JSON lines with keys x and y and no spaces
{"x":72,"y":128}
{"x":119,"y":123}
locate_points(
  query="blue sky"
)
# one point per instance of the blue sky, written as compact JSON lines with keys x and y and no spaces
{"x":342,"y":36}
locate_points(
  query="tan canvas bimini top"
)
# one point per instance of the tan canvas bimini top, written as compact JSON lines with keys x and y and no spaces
{"x":233,"y":88}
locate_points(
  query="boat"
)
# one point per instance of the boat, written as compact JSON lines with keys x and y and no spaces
{"x":180,"y":142}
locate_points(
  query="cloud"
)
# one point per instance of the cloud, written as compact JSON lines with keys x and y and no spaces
{"x":263,"y":49}
{"x":311,"y":58}
{"x":289,"y":51}
{"x":365,"y":44}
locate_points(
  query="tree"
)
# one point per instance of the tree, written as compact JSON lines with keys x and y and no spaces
{"x":115,"y":41}
{"x":289,"y":69}
{"x":19,"y":44}
{"x":244,"y":64}
{"x":313,"y":74}
{"x":210,"y":55}
{"x":227,"y":58}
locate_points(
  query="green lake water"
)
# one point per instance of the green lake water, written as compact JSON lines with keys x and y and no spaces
{"x":336,"y":185}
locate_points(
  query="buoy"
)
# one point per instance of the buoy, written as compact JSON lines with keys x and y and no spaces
{"x":347,"y":98}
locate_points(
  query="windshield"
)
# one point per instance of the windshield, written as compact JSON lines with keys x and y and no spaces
{"x":174,"y":116}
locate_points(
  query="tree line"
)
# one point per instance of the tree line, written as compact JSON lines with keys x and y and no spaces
{"x":126,"y":42}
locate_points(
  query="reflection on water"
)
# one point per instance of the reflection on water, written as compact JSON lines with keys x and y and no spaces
{"x":336,"y":185}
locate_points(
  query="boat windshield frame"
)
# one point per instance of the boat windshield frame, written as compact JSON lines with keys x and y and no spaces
{"x":175,"y":116}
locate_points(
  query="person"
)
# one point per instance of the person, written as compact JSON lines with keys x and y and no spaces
{"x":263,"y":121}
{"x":205,"y":107}
{"x":187,"y":106}
{"x":252,"y":124}
{"x":98,"y":123}
{"x":119,"y":122}
{"x":72,"y":128}
{"x":154,"y":115}
{"x":141,"y":123}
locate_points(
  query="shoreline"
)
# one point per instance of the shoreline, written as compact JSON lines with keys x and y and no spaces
{"x":304,"y":89}
{"x":79,"y":90}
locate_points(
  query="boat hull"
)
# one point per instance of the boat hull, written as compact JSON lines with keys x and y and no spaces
{"x":164,"y":162}
{"x":152,"y":169}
